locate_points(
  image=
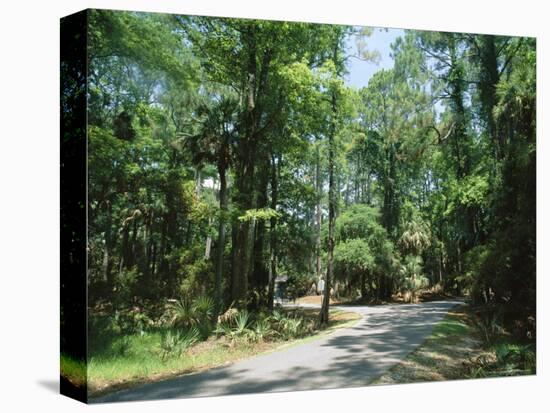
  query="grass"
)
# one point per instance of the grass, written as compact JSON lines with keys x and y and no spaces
{"x":73,"y":370}
{"x":143,"y":364}
{"x":137,"y":358}
{"x":447,"y":354}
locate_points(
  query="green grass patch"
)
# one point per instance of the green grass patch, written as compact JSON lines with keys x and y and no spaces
{"x":450,"y":328}
{"x":73,"y":370}
{"x":143,"y":362}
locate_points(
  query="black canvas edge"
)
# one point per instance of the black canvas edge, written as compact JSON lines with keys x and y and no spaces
{"x":73,"y":197}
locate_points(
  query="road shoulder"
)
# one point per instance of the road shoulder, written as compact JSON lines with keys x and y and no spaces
{"x":447,"y":354}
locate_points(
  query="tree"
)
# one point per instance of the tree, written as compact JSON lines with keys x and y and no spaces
{"x":361,"y":224}
{"x":412,"y":279}
{"x":354,"y":262}
{"x":335,"y":120}
{"x":212,"y":144}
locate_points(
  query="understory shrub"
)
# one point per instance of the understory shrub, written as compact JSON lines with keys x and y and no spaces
{"x":265,"y":327}
{"x":510,"y":360}
{"x":174,"y":342}
{"x":199,"y":314}
{"x":488,"y":323}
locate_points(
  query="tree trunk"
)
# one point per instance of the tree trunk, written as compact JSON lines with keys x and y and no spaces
{"x":489,"y":78}
{"x":259,"y":275}
{"x":275,"y":165}
{"x":245,"y":173}
{"x":208,"y":243}
{"x":389,"y":212}
{"x":221,"y":237}
{"x":323,"y":316}
{"x":318,"y":213}
{"x":106,"y":264}
{"x":369,"y":191}
{"x":363,"y":285}
{"x":133,"y":245}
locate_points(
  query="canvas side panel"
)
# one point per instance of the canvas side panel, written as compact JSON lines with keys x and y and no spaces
{"x":73,"y":72}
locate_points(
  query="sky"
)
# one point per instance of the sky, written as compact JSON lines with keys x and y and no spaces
{"x":360,"y":71}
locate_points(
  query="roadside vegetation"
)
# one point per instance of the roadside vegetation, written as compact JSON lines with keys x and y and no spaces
{"x":140,"y":345}
{"x":466,"y":344}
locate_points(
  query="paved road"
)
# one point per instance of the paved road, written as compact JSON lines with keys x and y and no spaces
{"x":348,"y":357}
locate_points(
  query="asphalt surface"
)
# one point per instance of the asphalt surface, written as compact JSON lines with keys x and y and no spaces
{"x":348,"y":357}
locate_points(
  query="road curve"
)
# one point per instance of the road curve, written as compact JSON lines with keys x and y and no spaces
{"x":349,"y":357}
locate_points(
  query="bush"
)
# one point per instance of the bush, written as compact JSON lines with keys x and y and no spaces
{"x":185,"y":314}
{"x":237,"y":326}
{"x":131,"y":321}
{"x":471,"y":279}
{"x":125,"y":285}
{"x":264,"y":327}
{"x":517,"y":357}
{"x":298,"y":285}
{"x":195,"y":272}
{"x":510,"y":360}
{"x":411,"y":279}
{"x":174,"y":342}
{"x":121,"y":347}
{"x":289,"y":327}
{"x":488,"y":324}
{"x":353,"y":260}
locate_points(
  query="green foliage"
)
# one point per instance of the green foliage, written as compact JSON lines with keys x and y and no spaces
{"x":416,"y":237}
{"x":73,"y":369}
{"x":513,"y":356}
{"x":511,"y":360}
{"x":126,"y":284}
{"x":354,"y":255}
{"x":121,"y":347}
{"x":471,"y":279}
{"x":264,"y":214}
{"x":363,"y":253}
{"x":183,"y":314}
{"x":125,"y":321}
{"x":262,"y":329}
{"x":242,"y":322}
{"x":175,"y":342}
{"x":204,"y":306}
{"x":353,"y":260}
{"x":278,"y":317}
{"x":196,"y":272}
{"x":358,"y":221}
{"x":198,"y":313}
{"x":265,"y":327}
{"x":298,"y":284}
{"x":289,"y":327}
{"x":411,"y":278}
{"x":238,"y":326}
